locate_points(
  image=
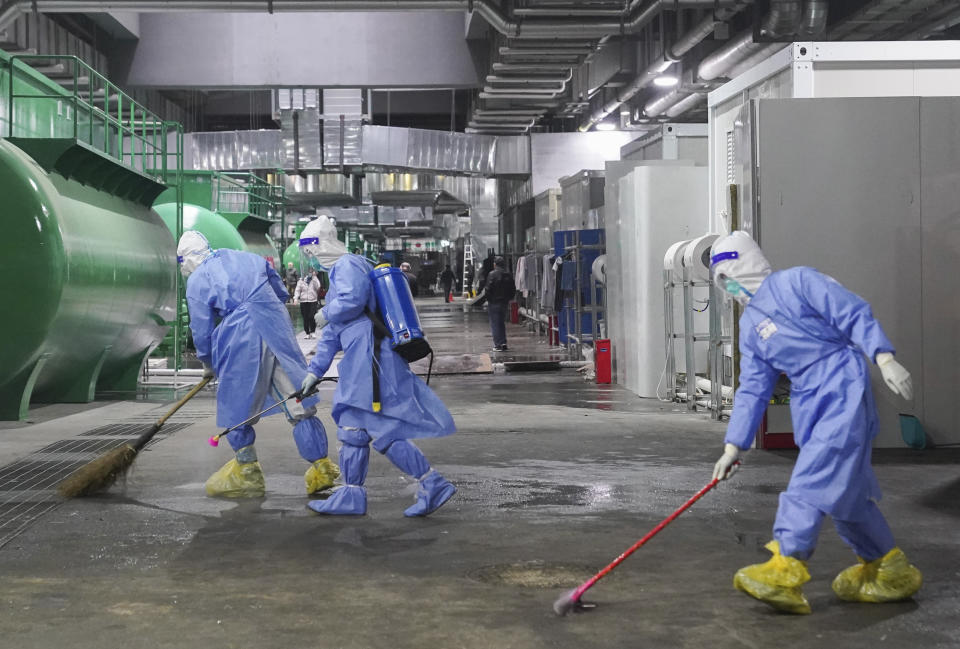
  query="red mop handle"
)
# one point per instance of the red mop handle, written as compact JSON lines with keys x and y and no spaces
{"x":636,"y":546}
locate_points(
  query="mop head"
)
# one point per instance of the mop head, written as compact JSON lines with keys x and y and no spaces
{"x":99,"y":474}
{"x":570,"y":602}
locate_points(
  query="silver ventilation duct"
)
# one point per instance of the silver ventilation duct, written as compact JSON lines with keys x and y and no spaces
{"x":683,"y":45}
{"x":383,"y":147}
{"x":524,"y":27}
{"x":786,"y":18}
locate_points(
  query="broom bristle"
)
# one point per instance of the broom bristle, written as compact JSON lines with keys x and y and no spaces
{"x":99,"y":474}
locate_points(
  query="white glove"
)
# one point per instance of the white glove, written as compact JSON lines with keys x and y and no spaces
{"x":725,"y":466}
{"x":309,"y":381}
{"x":207,"y":371}
{"x":895,"y":375}
{"x":320,"y":320}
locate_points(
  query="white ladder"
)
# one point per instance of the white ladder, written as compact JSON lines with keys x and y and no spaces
{"x":467,"y":263}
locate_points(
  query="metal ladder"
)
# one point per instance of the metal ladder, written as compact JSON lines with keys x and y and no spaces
{"x":467,"y":263}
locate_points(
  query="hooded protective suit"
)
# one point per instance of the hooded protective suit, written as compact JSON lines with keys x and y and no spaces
{"x":409,"y":408}
{"x":804,"y":324}
{"x":241,"y":328}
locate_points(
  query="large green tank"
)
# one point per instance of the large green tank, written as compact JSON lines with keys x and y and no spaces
{"x":91,"y":284}
{"x":218,"y":231}
{"x":261,"y":244}
{"x":292,"y":255}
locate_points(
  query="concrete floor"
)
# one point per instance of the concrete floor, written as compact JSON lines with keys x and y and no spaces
{"x":556,"y":477}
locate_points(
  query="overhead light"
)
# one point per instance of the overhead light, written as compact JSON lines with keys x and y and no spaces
{"x":666,"y":80}
{"x":606,"y":126}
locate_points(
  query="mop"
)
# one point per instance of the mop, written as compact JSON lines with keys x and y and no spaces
{"x":571,"y":600}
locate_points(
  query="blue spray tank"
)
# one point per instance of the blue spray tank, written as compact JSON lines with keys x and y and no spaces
{"x":398,"y":313}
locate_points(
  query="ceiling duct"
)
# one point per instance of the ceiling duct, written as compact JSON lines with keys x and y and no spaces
{"x":683,"y":45}
{"x":382,"y":147}
{"x":321,"y":189}
{"x":298,"y":110}
{"x":631,"y":21}
{"x":786,"y":18}
{"x":342,"y":127}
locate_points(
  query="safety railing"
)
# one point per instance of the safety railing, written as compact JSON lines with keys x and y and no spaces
{"x":246,"y":193}
{"x":90,"y":109}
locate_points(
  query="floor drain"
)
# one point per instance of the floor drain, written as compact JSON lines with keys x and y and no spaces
{"x":533,"y":574}
{"x":28,"y":485}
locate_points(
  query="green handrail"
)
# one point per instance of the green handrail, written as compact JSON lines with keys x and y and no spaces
{"x":129,"y":133}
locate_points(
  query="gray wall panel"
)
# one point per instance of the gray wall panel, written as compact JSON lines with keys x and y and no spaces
{"x":839,"y":190}
{"x":940,"y":197}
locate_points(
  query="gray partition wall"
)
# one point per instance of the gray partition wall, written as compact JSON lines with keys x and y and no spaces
{"x":867,"y":191}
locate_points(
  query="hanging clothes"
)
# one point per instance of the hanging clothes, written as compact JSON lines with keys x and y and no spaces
{"x":549,"y":288}
{"x":520,"y":276}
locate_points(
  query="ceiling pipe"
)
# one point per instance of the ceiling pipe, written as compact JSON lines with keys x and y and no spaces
{"x":541,"y":51}
{"x":683,"y":45}
{"x":685,"y":104}
{"x":743,"y":47}
{"x":517,"y":95}
{"x":494,"y":78}
{"x":663,"y":102}
{"x":518,"y":112}
{"x":742,"y":53}
{"x":814,"y":20}
{"x":628,"y":23}
{"x":529,"y":67}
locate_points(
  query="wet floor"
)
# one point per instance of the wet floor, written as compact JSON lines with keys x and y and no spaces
{"x":556,"y":477}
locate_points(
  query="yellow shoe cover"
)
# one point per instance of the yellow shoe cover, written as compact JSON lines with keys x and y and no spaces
{"x":235,"y":480}
{"x":888,"y":579}
{"x":321,"y":475}
{"x":776,"y":582}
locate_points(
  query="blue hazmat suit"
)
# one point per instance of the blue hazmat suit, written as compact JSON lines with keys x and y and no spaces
{"x":241,"y":328}
{"x":409,"y":409}
{"x":806,"y":325}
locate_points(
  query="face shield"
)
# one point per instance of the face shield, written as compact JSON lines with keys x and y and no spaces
{"x":192,"y":249}
{"x":738,"y":265}
{"x":319,"y":246}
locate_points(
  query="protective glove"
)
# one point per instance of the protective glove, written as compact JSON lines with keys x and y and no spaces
{"x":309,"y":382}
{"x":207,"y":371}
{"x":726,"y":466}
{"x":895,"y":375}
{"x":320,"y":320}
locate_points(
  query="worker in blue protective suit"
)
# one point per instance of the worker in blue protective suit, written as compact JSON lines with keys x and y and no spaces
{"x":243,"y":334}
{"x":804,"y":324}
{"x":408,"y":408}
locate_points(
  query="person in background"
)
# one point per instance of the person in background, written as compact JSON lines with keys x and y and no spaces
{"x":307,"y":295}
{"x":242,"y":333}
{"x":804,"y":324}
{"x":499,"y":289}
{"x":405,"y":409}
{"x":485,"y":269}
{"x":446,"y":281}
{"x":290,"y":278}
{"x":411,"y":278}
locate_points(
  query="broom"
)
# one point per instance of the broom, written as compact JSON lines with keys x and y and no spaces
{"x":102,"y":472}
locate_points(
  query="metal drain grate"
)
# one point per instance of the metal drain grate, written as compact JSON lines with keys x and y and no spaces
{"x":36,"y":475}
{"x":133,"y":430}
{"x":28,"y":485}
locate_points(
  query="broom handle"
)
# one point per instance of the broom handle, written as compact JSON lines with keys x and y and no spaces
{"x":179,"y":404}
{"x":636,"y":546}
